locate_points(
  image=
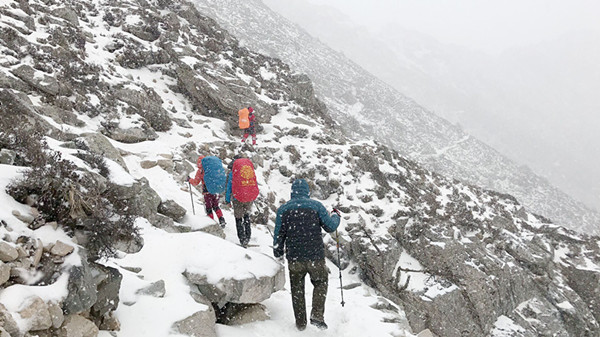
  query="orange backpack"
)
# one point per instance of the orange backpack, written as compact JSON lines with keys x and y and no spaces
{"x":244,"y":121}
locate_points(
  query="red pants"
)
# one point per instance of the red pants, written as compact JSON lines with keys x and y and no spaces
{"x":250,"y":131}
{"x":211,"y":203}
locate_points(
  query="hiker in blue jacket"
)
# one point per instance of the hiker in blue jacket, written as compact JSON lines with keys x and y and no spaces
{"x":298,"y":230}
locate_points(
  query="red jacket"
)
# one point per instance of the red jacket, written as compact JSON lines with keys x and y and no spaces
{"x":251,"y":118}
{"x":199,"y":177}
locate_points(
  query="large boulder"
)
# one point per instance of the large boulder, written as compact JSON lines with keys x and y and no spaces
{"x":82,"y":293}
{"x":421,"y":310}
{"x":36,"y":315}
{"x":60,"y":116}
{"x":12,"y":82}
{"x":78,"y":326}
{"x":18,"y":114}
{"x":586,"y":283}
{"x":130,"y":135}
{"x":97,"y":143}
{"x":7,"y":157}
{"x":8,"y":322}
{"x":148,"y":104}
{"x":248,"y":289}
{"x":37,"y":79}
{"x":200,"y":324}
{"x":8,"y":252}
{"x":138,"y":199}
{"x":171,"y":209}
{"x":56,"y":314}
{"x":4,"y":273}
{"x":156,"y":289}
{"x":108,"y":284}
{"x":239,"y":314}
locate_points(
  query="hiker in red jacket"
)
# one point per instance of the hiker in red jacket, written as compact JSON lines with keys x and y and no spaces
{"x":211,"y":201}
{"x":250,"y":122}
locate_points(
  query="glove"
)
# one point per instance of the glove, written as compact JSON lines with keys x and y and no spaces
{"x":336,"y":211}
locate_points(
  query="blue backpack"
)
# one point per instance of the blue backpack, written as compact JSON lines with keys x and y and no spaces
{"x":214,"y":175}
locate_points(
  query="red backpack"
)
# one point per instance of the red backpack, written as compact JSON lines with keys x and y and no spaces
{"x":243,"y":181}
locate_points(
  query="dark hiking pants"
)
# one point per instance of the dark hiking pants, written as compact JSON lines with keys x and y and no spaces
{"x":318,"y":277}
{"x":244,"y":230}
{"x":241,"y":212}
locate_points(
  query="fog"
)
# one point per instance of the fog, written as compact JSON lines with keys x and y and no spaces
{"x":523,"y":76}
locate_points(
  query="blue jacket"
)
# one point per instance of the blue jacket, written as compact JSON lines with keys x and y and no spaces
{"x":228,"y":194}
{"x":298,"y":226}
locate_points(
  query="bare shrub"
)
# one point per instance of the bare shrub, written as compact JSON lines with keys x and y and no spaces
{"x":71,"y":197}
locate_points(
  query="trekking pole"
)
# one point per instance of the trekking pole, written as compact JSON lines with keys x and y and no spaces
{"x":191,"y":197}
{"x":337,"y":240}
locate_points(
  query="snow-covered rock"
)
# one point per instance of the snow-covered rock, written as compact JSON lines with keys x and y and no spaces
{"x":200,"y":324}
{"x":78,"y":326}
{"x":61,"y":249}
{"x":156,"y":289}
{"x":8,"y":252}
{"x":4,"y":273}
{"x":252,"y":289}
{"x":8,"y":323}
{"x":172,"y":209}
{"x":36,"y":315}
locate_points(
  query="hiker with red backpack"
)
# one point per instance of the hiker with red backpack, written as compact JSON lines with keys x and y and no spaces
{"x":246,"y":123}
{"x":242,"y":190}
{"x":212,"y":177}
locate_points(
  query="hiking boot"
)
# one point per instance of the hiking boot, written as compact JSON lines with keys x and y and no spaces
{"x":300,"y":327}
{"x":319,"y":324}
{"x":222,"y":222}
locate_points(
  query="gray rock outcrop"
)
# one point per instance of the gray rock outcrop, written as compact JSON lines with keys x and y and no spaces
{"x":8,"y":253}
{"x":4,"y":273}
{"x":78,"y":326}
{"x":98,"y":144}
{"x":81,"y":288}
{"x":7,"y":157}
{"x":200,"y":324}
{"x":139,"y":199}
{"x":8,"y":322}
{"x":156,"y":289}
{"x":61,"y":249}
{"x":238,"y":290}
{"x":37,"y":79}
{"x":171,"y":209}
{"x":37,"y":315}
{"x":108,"y":284}
{"x":239,"y":314}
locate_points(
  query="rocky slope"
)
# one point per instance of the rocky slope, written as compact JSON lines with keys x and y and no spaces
{"x":366,"y":107}
{"x":150,"y":85}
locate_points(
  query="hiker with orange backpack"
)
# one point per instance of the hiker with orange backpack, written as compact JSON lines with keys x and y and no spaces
{"x":242,"y":190}
{"x":246,"y":123}
{"x":214,"y":183}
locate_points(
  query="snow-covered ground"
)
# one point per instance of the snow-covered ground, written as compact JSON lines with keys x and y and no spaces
{"x":166,"y":255}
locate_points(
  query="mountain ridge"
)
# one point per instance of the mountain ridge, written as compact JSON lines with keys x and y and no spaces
{"x":366,"y":106}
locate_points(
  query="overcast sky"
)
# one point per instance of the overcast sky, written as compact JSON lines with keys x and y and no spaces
{"x":487,"y":25}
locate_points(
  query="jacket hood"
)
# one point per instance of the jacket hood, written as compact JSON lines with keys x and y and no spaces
{"x":300,"y":189}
